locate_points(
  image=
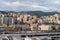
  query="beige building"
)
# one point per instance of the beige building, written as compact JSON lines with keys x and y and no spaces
{"x":19,"y":18}
{"x":40,"y":21}
{"x":51,"y":19}
{"x":33,"y":27}
{"x":44,"y":27}
{"x":27,"y":18}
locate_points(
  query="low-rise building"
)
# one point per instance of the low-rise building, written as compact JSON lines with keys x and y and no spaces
{"x":44,"y":27}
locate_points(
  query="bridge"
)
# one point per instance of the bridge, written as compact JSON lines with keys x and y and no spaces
{"x":29,"y":34}
{"x":40,"y":33}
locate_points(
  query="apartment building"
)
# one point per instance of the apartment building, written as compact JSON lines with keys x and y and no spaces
{"x":8,"y":20}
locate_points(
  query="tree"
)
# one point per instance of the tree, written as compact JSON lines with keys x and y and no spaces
{"x":53,"y":28}
{"x":59,"y":28}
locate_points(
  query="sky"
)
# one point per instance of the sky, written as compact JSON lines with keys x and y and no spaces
{"x":30,"y":5}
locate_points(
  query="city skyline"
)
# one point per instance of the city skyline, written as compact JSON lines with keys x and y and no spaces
{"x":30,"y":5}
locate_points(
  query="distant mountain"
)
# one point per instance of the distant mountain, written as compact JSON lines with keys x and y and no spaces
{"x":6,"y":12}
{"x":37,"y":13}
{"x":40,"y":13}
{"x":3,"y":12}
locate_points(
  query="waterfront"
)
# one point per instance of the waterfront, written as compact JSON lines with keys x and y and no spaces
{"x":26,"y":38}
{"x":30,"y":38}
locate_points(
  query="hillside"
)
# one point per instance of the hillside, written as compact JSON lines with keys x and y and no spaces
{"x":37,"y":13}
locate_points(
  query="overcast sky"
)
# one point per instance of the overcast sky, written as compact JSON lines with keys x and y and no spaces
{"x":30,"y":5}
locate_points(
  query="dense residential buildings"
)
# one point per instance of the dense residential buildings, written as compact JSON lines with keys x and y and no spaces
{"x":27,"y":18}
{"x":29,"y":24}
{"x":21,"y":22}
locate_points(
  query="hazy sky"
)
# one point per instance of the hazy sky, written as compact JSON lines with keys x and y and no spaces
{"x":30,"y":5}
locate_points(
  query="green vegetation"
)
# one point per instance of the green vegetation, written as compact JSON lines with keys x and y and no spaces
{"x":55,"y":27}
{"x":59,"y":18}
{"x":1,"y":24}
{"x":59,"y":28}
